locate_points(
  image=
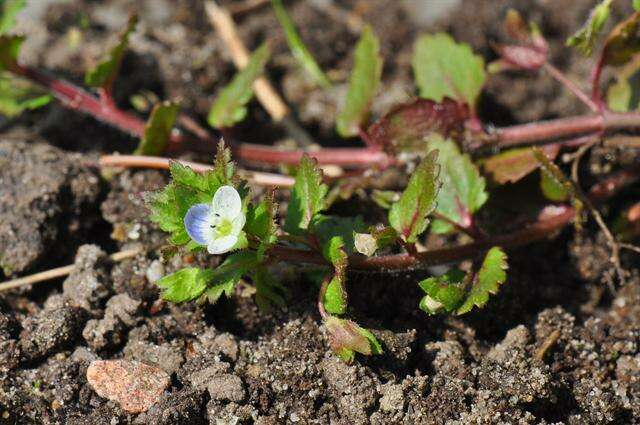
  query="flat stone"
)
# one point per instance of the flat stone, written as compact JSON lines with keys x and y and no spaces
{"x":134,"y":385}
{"x":226,"y":387}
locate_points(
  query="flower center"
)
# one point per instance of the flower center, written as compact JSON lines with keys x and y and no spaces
{"x":223,"y":227}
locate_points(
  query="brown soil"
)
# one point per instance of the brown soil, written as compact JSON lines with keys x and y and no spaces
{"x":271,"y":368}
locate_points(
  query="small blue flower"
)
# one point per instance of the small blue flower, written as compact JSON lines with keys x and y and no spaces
{"x":217,"y":225}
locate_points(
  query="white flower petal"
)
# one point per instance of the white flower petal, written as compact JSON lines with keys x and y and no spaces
{"x":238,"y":223}
{"x":227,"y":202}
{"x":222,"y":245}
{"x":197,"y":223}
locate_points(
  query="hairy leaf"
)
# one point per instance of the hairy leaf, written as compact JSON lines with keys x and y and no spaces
{"x":335,"y":298}
{"x":585,"y":38}
{"x":404,"y":128}
{"x":186,"y":284}
{"x":17,"y":95}
{"x":623,"y":42}
{"x":444,"y":68}
{"x":9,"y":49}
{"x":562,"y":185}
{"x":347,"y":338}
{"x":229,"y":273}
{"x":230,"y":105}
{"x":444,"y":292}
{"x":463,"y":189}
{"x":363,"y":85}
{"x":307,"y":197}
{"x":106,"y":70}
{"x":261,"y":222}
{"x":157,"y":131}
{"x":408,"y":216}
{"x":514,"y":164}
{"x":9,"y":9}
{"x":491,"y":275}
{"x":326,"y":227}
{"x":297,"y":47}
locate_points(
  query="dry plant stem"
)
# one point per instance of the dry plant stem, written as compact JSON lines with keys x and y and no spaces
{"x":560,"y":77}
{"x":59,"y":272}
{"x":547,"y":344}
{"x":161,"y":163}
{"x":226,"y":29}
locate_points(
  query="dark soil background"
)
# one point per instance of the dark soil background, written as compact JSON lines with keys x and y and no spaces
{"x":276,"y":367}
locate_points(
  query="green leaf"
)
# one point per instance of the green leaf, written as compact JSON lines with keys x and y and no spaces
{"x":297,"y":47}
{"x":563,"y":186}
{"x":636,"y":5}
{"x":335,"y":297}
{"x":325,"y":227}
{"x":624,"y":94}
{"x":444,"y":292}
{"x":18,"y":95}
{"x":230,"y":107}
{"x":377,"y":238}
{"x":347,"y":338}
{"x":552,"y":188}
{"x":444,"y":68}
{"x":585,"y":38}
{"x":186,"y":284}
{"x":229,"y":273}
{"x":491,"y":275}
{"x":307,"y":197}
{"x":157,"y":131}
{"x":261,"y":222}
{"x":106,"y":70}
{"x":363,"y":85}
{"x":9,"y":9}
{"x":408,"y":216}
{"x":9,"y":50}
{"x":463,"y":188}
{"x":269,"y":291}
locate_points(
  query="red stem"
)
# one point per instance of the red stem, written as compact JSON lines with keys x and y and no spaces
{"x":577,"y":91}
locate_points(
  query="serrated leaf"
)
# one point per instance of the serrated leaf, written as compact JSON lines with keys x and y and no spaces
{"x":9,"y":50}
{"x":307,"y":196}
{"x":326,"y":227}
{"x":623,"y":95}
{"x":623,"y":42}
{"x":551,"y":188}
{"x":463,"y":188}
{"x":585,"y":38}
{"x":186,"y":284}
{"x":261,"y":221}
{"x":408,"y":216}
{"x":487,"y":281}
{"x":18,"y":95}
{"x":363,"y":85}
{"x":297,"y":47}
{"x":106,"y":70}
{"x":369,"y":243}
{"x":335,"y":297}
{"x":230,"y":107}
{"x":229,"y":273}
{"x":561,"y":182}
{"x":444,"y":292}
{"x":404,"y":128}
{"x":512,"y":165}
{"x":157,"y":131}
{"x":443,"y":68}
{"x":347,"y":338}
{"x":269,"y":291}
{"x":9,"y":9}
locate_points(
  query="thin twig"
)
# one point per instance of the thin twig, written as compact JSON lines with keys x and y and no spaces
{"x":226,"y":29}
{"x":565,"y":81}
{"x":547,"y":344}
{"x":161,"y":163}
{"x":60,"y":271}
{"x":240,"y":8}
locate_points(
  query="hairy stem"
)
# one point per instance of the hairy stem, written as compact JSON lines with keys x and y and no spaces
{"x":571,"y":86}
